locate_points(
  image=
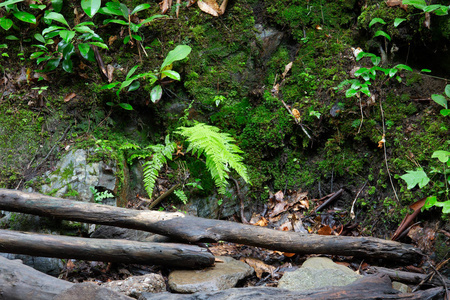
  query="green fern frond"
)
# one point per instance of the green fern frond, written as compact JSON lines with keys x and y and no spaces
{"x":128,"y":146}
{"x":181,"y":195}
{"x":219,"y":150}
{"x":151,"y":168}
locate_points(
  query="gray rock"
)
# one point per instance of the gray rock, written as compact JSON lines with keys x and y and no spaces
{"x":220,"y":277}
{"x":403,"y":288}
{"x":270,"y":39}
{"x":89,"y":291}
{"x":74,"y":176}
{"x":134,"y":286}
{"x":317,"y":272}
{"x":49,"y":265}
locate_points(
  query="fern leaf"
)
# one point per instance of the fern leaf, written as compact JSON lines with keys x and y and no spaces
{"x":219,"y":150}
{"x":152,"y":167}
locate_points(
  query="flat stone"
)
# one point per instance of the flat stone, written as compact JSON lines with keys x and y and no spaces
{"x":91,"y":291}
{"x":220,"y":277}
{"x":134,"y":286}
{"x":315,"y":273}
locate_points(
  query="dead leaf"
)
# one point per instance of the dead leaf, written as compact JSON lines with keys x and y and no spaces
{"x":409,"y":218}
{"x":259,"y":266}
{"x":69,"y":97}
{"x":112,"y":39}
{"x":165,"y":5}
{"x":287,"y":68}
{"x":392,"y":3}
{"x":287,"y":254}
{"x":262,"y":222}
{"x":296,"y":113}
{"x":381,"y":142}
{"x":427,"y":21}
{"x":109,"y":72}
{"x":209,"y":6}
{"x":325,"y":230}
{"x":423,"y":237}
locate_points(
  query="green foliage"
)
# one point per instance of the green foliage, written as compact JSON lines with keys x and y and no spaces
{"x":181,"y":195}
{"x":117,"y":9}
{"x":151,"y":168}
{"x":438,"y":9}
{"x":100,"y":196}
{"x":218,"y":149}
{"x":413,"y":178}
{"x":132,"y":80}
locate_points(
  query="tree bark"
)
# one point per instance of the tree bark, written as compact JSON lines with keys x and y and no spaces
{"x":124,"y":251}
{"x":195,"y":230}
{"x":410,"y":277}
{"x":18,"y":282}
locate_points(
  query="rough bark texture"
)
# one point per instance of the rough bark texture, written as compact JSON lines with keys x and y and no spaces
{"x":367,"y":288}
{"x":19,"y":282}
{"x":410,"y":277}
{"x":192,"y":229}
{"x":177,"y":255}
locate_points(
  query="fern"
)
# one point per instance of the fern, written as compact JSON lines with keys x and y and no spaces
{"x":151,"y":168}
{"x":219,"y":150}
{"x":181,"y":195}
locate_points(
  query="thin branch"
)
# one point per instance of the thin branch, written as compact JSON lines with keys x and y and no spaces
{"x":161,"y":198}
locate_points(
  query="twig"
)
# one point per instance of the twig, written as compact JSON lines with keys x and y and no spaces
{"x":296,"y":121}
{"x":161,"y":198}
{"x":332,"y":198}
{"x":385,"y":154}
{"x":238,"y":190}
{"x":352,"y":212}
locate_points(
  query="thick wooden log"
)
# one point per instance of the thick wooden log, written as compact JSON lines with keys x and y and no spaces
{"x":195,"y":230}
{"x":124,"y":251}
{"x":366,"y":288}
{"x":19,"y":282}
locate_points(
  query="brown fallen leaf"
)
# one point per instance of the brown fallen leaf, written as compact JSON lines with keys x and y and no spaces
{"x":209,"y":6}
{"x":109,"y":72}
{"x":409,"y":218}
{"x":259,"y":266}
{"x":325,"y":230}
{"x":392,"y":3}
{"x":69,"y":97}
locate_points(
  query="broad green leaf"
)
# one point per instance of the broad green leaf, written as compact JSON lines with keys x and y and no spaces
{"x":430,"y":202}
{"x":136,"y":37}
{"x":126,"y":39}
{"x":445,"y":206}
{"x":51,"y":29}
{"x":131,"y":72}
{"x":40,"y":7}
{"x":126,"y":83}
{"x":350,"y":93}
{"x":126,"y":106}
{"x":156,"y":93}
{"x":86,"y":24}
{"x":66,"y":35}
{"x":57,"y":5}
{"x":439,"y":99}
{"x":124,"y":10}
{"x":121,"y":22}
{"x":67,"y":65}
{"x":419,"y":4}
{"x":84,"y":50}
{"x":442,"y":11}
{"x":425,"y":70}
{"x":403,"y":67}
{"x":3,"y":46}
{"x":98,"y":44}
{"x":398,"y":21}
{"x":6,"y":3}
{"x":52,"y":64}
{"x":376,"y":20}
{"x":56,"y":17}
{"x":382,"y":33}
{"x":180,"y":52}
{"x":134,"y":27}
{"x":109,"y":86}
{"x":445,"y":112}
{"x":25,"y":17}
{"x":134,"y":86}
{"x":12,"y":38}
{"x":6,"y":23}
{"x":36,"y":54}
{"x":140,"y":8}
{"x":432,"y":7}
{"x":84,"y":29}
{"x":360,"y":71}
{"x":171,"y":74}
{"x":39,"y":37}
{"x":91,"y":7}
{"x":110,"y":11}
{"x":41,"y":59}
{"x":441,"y":155}
{"x":68,"y":51}
{"x":413,"y":178}
{"x":392,"y":72}
{"x":447,"y":90}
{"x":365,"y":90}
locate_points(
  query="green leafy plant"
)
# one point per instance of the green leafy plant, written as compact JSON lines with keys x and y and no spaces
{"x":419,"y":177}
{"x":438,"y":9}
{"x":132,"y":80}
{"x":11,"y":8}
{"x":81,"y":35}
{"x":219,"y":150}
{"x":100,"y":196}
{"x":117,"y":9}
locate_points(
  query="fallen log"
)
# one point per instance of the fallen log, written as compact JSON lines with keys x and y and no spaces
{"x":18,"y":282}
{"x":124,"y":251}
{"x":196,"y":230}
{"x":409,"y":277}
{"x":366,"y":288}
